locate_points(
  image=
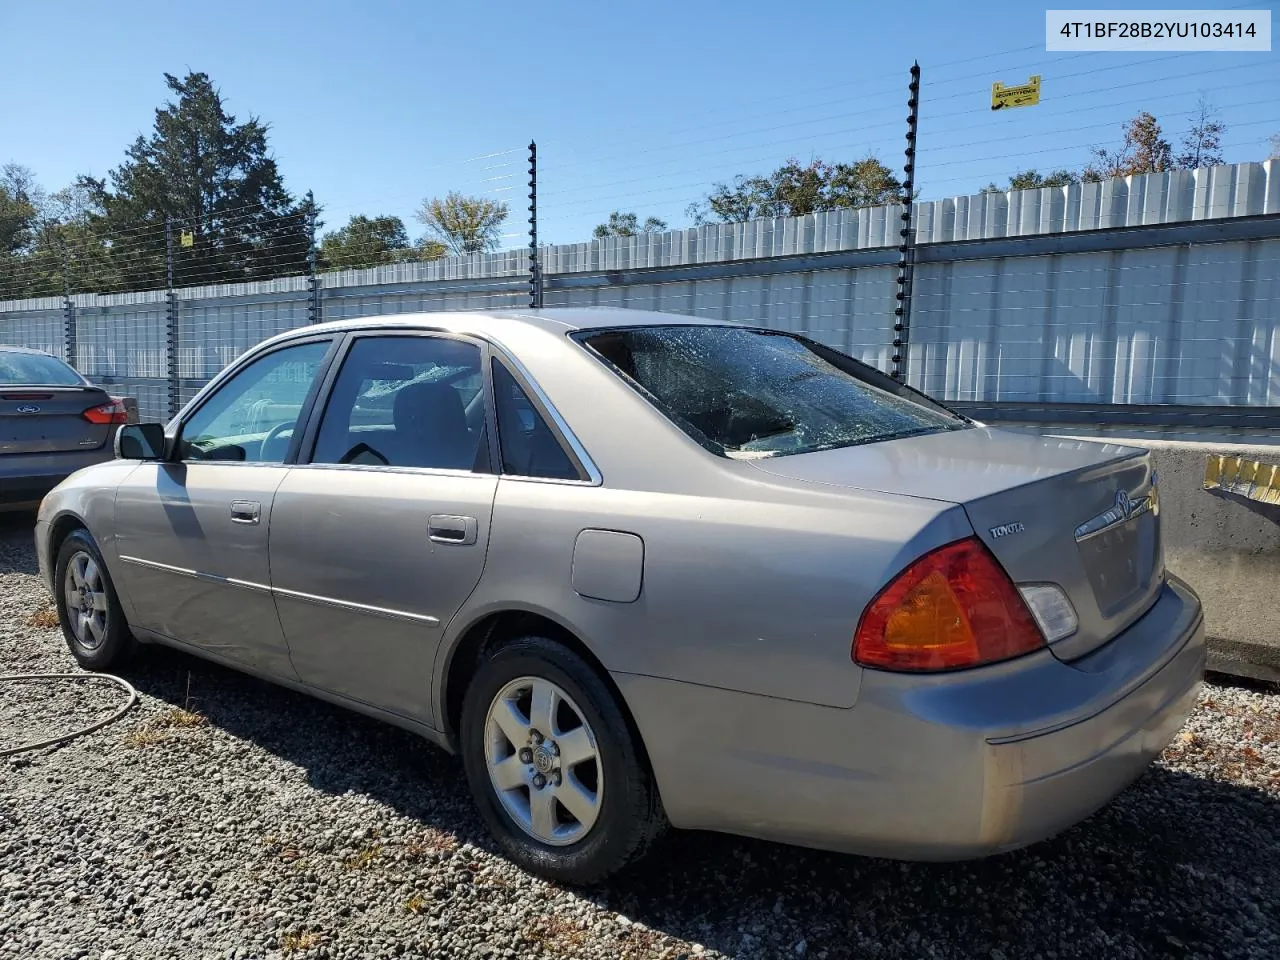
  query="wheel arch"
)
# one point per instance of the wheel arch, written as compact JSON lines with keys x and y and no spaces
{"x":494,"y":628}
{"x":64,"y":523}
{"x":61,"y":526}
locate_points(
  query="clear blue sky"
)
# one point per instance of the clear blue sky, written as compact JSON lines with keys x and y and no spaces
{"x":642,"y":106}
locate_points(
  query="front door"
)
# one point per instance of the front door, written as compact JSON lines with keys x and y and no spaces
{"x":192,"y":533}
{"x":379,"y":539}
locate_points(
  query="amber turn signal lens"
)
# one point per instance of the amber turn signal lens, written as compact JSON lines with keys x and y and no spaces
{"x":953,"y":608}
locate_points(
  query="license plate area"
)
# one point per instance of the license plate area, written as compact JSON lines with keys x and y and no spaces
{"x":1120,"y":562}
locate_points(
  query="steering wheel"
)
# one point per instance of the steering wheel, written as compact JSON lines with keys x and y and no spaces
{"x":274,"y":432}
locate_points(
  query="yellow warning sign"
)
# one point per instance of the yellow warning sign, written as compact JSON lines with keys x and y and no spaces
{"x":187,"y":239}
{"x":1023,"y":95}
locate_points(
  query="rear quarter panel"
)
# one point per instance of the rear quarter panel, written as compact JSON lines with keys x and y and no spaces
{"x":756,"y":588}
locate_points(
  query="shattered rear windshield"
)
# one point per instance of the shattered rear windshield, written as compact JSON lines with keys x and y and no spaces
{"x":747,"y":393}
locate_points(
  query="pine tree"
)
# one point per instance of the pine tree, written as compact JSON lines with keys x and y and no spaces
{"x":217,"y":183}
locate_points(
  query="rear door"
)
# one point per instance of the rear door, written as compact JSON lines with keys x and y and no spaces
{"x":43,"y":405}
{"x":378,"y":540}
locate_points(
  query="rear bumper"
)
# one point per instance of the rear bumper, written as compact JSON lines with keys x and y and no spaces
{"x":27,"y":477}
{"x":929,"y":768}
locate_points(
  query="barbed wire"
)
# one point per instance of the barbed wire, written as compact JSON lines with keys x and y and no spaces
{"x":265,"y":247}
{"x":147,"y":238}
{"x":247,"y":212}
{"x":263,"y":242}
{"x":930,"y":97}
{"x":897,"y":124}
{"x":282,"y":251}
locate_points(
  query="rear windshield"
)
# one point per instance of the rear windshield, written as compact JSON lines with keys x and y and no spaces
{"x":747,"y":393}
{"x":36,"y":369}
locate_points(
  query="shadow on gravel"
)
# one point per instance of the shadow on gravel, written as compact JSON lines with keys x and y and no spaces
{"x":16,"y":532}
{"x":1176,"y":866}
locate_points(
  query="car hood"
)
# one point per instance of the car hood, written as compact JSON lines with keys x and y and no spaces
{"x":955,"y":466}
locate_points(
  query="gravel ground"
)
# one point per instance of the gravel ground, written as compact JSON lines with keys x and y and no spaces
{"x":224,"y":817}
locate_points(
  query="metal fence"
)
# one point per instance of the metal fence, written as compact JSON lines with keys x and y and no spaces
{"x":1155,"y":290}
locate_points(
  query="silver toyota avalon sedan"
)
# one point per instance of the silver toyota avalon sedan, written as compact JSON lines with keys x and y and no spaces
{"x":640,"y":569}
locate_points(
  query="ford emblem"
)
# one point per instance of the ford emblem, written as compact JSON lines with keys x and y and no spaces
{"x":28,"y":408}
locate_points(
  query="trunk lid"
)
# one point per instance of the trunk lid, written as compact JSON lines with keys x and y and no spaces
{"x":1081,"y":515}
{"x":50,"y":419}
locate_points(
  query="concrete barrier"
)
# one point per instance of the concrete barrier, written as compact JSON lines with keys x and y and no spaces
{"x":1225,"y":545}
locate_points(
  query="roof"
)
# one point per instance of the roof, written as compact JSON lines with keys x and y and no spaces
{"x":553,"y":320}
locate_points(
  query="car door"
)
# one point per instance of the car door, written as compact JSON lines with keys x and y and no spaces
{"x":380,"y":536}
{"x":192,"y":532}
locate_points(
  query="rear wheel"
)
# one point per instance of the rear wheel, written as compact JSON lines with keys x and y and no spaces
{"x":554,"y":766}
{"x":88,"y":609}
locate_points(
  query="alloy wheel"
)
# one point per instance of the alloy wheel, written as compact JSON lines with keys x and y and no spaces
{"x":85,"y":592}
{"x":543,"y":760}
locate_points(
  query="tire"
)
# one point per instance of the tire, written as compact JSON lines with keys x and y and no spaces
{"x":627,"y":814}
{"x":95,"y":629}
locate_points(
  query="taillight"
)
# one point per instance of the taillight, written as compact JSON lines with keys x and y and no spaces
{"x":953,"y":608}
{"x":113,"y":412}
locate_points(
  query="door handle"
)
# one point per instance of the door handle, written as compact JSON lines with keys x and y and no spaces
{"x":457,"y":531}
{"x":245,"y":511}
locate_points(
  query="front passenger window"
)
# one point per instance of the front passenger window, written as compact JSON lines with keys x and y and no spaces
{"x":253,"y":415}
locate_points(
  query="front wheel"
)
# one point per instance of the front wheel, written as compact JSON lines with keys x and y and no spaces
{"x":88,"y":609}
{"x":554,"y":766}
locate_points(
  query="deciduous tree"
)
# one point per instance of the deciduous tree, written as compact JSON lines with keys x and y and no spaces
{"x":1202,"y":143}
{"x":463,"y":224}
{"x":793,"y":190}
{"x":628,"y":225}
{"x":1033,"y":180}
{"x":371,"y":242}
{"x":1144,"y":150}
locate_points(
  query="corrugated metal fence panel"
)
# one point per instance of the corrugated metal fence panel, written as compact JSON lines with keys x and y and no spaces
{"x":341,"y":303}
{"x":1177,"y":196}
{"x":1167,"y":325}
{"x":213,"y":330}
{"x":121,"y":343}
{"x":39,"y":324}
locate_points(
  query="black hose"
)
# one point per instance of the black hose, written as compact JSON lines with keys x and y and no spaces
{"x":53,"y":741}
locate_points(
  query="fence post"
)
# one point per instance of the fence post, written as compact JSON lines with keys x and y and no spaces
{"x":535,"y":272}
{"x":315,"y":312}
{"x":171,"y":320}
{"x":69,"y":331}
{"x":907,"y":238}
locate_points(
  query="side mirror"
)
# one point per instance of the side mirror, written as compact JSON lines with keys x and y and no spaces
{"x":140,"y":441}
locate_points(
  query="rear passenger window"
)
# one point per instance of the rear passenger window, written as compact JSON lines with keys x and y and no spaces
{"x":407,"y":402}
{"x":529,"y":446}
